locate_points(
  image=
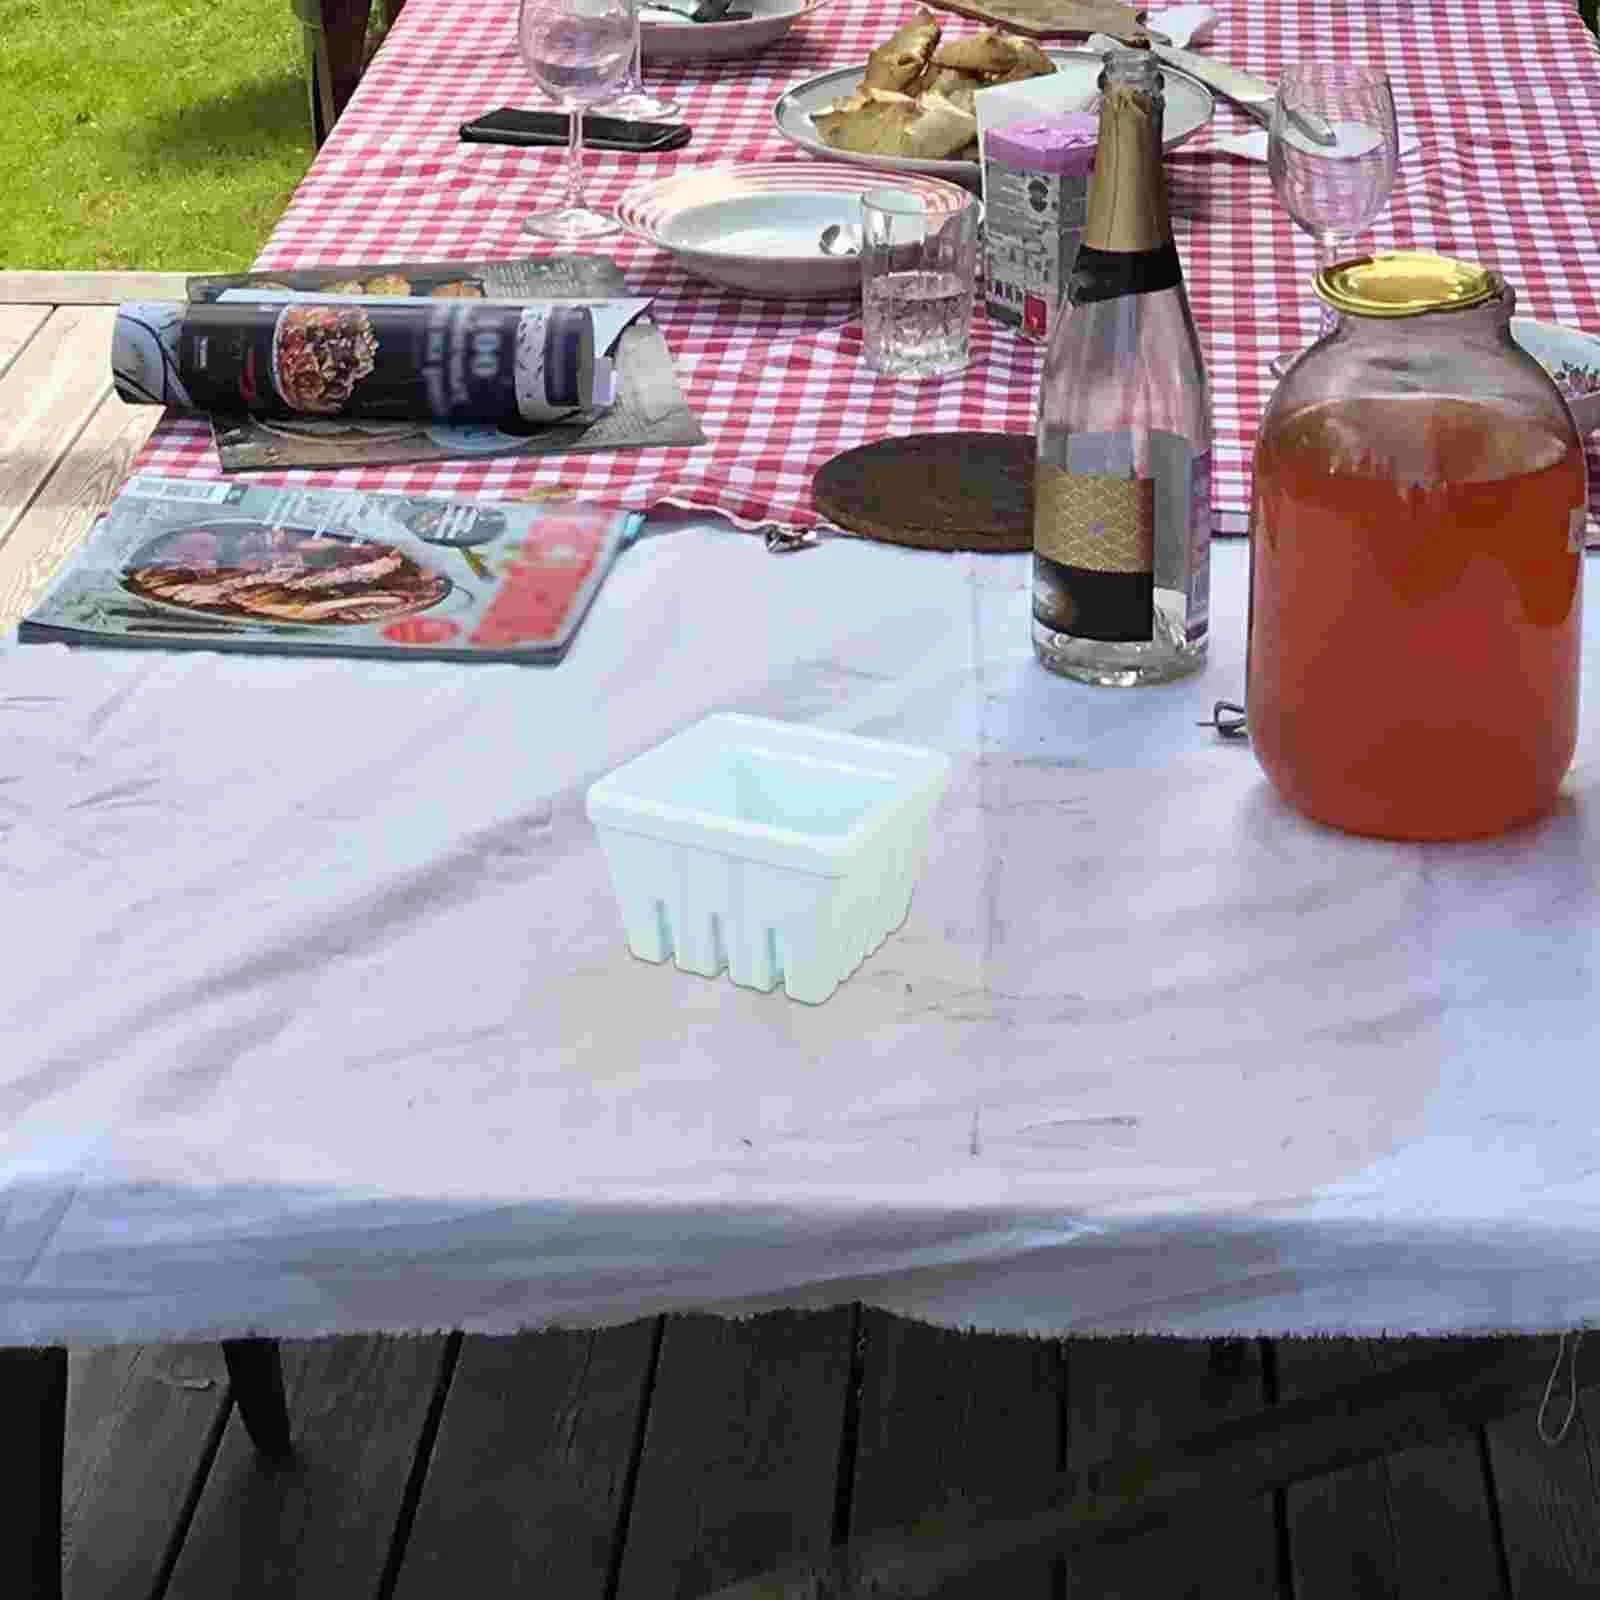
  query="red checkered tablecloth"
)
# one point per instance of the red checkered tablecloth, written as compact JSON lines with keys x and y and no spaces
{"x":1503,"y":95}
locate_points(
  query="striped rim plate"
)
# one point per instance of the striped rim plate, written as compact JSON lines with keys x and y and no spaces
{"x":757,"y":226}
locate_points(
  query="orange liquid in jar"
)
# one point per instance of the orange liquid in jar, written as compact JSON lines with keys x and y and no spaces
{"x":1415,"y":615}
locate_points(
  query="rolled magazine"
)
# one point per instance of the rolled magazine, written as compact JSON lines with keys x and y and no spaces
{"x":372,"y":358}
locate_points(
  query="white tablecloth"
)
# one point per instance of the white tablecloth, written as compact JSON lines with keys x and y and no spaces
{"x":316,"y":1015}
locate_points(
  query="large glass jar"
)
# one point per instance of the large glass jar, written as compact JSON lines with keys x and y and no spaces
{"x":1416,"y":562}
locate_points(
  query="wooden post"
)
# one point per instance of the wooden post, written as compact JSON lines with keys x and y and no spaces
{"x":33,"y":1402}
{"x":336,"y":40}
{"x":255,"y":1374}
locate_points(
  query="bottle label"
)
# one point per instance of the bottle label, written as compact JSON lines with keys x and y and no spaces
{"x":1182,"y":477}
{"x":1111,"y":274}
{"x":1094,"y":537}
{"x":1111,"y":534}
{"x":1199,"y":587}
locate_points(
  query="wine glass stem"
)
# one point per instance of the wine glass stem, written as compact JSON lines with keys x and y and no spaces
{"x":574,"y":195}
{"x":634,"y":83}
{"x":1329,"y":251}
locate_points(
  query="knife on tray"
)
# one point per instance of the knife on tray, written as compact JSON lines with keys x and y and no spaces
{"x":1254,"y":96}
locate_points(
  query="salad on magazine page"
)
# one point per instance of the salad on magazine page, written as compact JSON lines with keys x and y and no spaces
{"x":183,"y":563}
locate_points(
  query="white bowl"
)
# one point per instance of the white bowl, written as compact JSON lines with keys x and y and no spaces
{"x":1552,"y":344}
{"x":665,"y":37}
{"x":758,"y":227}
{"x":777,"y":852}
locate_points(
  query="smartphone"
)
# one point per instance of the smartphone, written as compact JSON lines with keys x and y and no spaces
{"x":510,"y":126}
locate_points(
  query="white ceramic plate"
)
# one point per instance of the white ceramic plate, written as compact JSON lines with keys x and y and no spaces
{"x":664,"y":36}
{"x":756,"y":227}
{"x":1553,"y":344}
{"x":1189,"y":108}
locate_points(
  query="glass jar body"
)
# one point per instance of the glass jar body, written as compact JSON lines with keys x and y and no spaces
{"x":1416,"y":579}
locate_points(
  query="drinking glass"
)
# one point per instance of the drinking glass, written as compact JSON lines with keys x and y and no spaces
{"x":918,"y":283}
{"x":577,"y":52}
{"x":1333,"y":191}
{"x":635,"y":100}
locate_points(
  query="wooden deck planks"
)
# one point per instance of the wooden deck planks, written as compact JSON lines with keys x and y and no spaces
{"x":1548,"y":1495}
{"x":944,"y":1412}
{"x":1416,"y":1522}
{"x":1127,"y":1392}
{"x":66,"y":504}
{"x":322,"y":1523}
{"x":741,"y":1450}
{"x":18,"y":324}
{"x":527,"y":1482}
{"x":749,"y":1430}
{"x":47,"y":395}
{"x":33,"y":1402}
{"x":90,"y":288}
{"x":143,"y":1422}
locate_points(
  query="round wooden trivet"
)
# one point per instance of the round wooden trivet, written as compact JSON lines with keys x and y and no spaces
{"x":937,"y":491}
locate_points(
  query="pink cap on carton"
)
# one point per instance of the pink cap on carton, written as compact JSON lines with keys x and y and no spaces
{"x":1062,"y":142}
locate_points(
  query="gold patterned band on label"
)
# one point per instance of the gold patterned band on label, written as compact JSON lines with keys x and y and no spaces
{"x":1095,"y":523}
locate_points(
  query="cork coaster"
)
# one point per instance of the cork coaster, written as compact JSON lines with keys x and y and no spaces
{"x":936,"y":491}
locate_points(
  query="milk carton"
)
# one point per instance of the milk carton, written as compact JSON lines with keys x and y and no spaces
{"x":1036,"y":193}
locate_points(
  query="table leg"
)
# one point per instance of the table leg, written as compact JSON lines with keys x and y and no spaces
{"x":336,"y":42}
{"x":255,"y":1374}
{"x":33,"y":1402}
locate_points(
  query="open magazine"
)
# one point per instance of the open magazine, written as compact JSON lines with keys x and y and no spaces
{"x":189,"y":564}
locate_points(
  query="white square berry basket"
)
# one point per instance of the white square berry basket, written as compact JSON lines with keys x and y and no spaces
{"x":781,"y":853}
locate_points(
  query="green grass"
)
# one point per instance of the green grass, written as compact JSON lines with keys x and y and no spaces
{"x":156,"y":135}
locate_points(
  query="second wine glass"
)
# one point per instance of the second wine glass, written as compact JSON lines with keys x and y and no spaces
{"x":635,"y":100}
{"x":578,"y":53}
{"x":1333,"y":190}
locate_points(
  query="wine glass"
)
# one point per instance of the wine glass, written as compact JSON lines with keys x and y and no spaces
{"x":1332,"y":188}
{"x":577,"y":51}
{"x":635,"y":100}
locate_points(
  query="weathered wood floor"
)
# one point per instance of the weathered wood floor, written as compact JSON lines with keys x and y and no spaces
{"x":665,"y":1458}
{"x":66,"y":440}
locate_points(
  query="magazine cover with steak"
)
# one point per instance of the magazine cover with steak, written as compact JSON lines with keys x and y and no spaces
{"x":179,"y":563}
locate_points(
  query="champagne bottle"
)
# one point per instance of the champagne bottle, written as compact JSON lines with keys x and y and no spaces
{"x":1122,"y":517}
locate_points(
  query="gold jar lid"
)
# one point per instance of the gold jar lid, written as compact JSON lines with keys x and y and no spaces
{"x":1405,"y":283}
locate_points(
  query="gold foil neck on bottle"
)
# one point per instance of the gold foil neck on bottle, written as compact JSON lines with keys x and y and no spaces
{"x":1127,"y":208}
{"x":1405,"y":283}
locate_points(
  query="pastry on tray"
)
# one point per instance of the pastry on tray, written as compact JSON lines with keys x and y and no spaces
{"x":878,"y":122}
{"x":916,"y":98}
{"x":901,"y":58}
